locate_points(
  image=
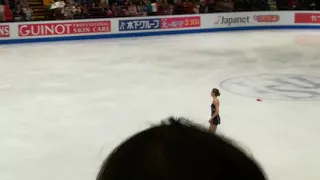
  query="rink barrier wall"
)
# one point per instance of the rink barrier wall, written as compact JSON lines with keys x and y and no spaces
{"x":29,"y":32}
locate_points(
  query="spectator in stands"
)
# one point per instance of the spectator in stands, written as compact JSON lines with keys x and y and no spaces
{"x":69,"y":10}
{"x":142,"y":9}
{"x":107,"y":9}
{"x":203,"y":7}
{"x":58,"y":10}
{"x":171,"y":10}
{"x":85,"y":11}
{"x":178,"y":8}
{"x":2,"y":13}
{"x":124,"y":10}
{"x":187,"y":8}
{"x":8,"y":15}
{"x":149,"y":8}
{"x":211,"y":6}
{"x":69,"y":2}
{"x":132,"y":9}
{"x":165,"y":7}
{"x":224,"y":6}
{"x":97,"y":11}
{"x":116,"y":9}
{"x":179,"y":150}
{"x":78,"y":13}
{"x":103,"y":2}
{"x":153,"y":7}
{"x":195,"y":9}
{"x":27,"y":11}
{"x":161,"y":11}
{"x":18,"y":14}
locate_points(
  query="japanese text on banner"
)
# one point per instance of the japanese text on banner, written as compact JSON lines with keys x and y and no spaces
{"x":180,"y":22}
{"x":88,"y":27}
{"x":139,"y":24}
{"x":4,"y":31}
{"x":312,"y":18}
{"x":160,"y":23}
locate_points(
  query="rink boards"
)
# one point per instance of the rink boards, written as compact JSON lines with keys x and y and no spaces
{"x":41,"y":31}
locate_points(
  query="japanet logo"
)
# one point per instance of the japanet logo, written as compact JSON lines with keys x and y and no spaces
{"x":266,"y":18}
{"x":64,"y":28}
{"x":4,"y":31}
{"x":232,"y":20}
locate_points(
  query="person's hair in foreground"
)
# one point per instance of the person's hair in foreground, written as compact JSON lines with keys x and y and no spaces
{"x":179,"y":150}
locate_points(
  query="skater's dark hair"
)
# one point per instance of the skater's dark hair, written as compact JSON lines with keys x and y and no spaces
{"x":216,"y":91}
{"x":177,"y":149}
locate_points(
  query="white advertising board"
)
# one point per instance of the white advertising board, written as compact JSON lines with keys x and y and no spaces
{"x":136,"y":26}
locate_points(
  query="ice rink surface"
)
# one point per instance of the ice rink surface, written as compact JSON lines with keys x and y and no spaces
{"x":65,"y":105}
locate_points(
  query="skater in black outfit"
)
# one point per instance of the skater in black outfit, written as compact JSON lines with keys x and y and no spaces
{"x":215,"y":118}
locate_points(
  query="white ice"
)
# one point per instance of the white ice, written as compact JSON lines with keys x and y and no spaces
{"x":64,"y":106}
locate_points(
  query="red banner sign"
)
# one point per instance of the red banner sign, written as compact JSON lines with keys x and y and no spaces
{"x":311,"y":18}
{"x":180,"y":22}
{"x":64,"y":28}
{"x":4,"y":31}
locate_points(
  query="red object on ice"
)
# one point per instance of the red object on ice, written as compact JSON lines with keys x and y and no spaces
{"x":259,"y":99}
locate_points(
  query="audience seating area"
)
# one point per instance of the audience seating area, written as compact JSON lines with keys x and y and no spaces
{"x":33,"y":10}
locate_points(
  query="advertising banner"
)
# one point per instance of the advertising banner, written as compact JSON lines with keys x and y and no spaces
{"x":311,"y":18}
{"x":159,"y":23}
{"x":68,"y":28}
{"x":180,"y":22}
{"x":270,"y":18}
{"x":4,"y":31}
{"x":139,"y":24}
{"x":232,"y":20}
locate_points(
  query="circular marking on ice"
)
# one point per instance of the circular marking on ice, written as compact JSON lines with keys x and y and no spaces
{"x":275,"y":86}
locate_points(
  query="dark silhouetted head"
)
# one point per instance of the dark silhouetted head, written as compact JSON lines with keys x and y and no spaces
{"x":179,"y":150}
{"x":215,"y":92}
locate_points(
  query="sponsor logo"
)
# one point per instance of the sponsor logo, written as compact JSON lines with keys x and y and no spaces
{"x":64,"y":28}
{"x":4,"y":31}
{"x":141,"y":24}
{"x":275,"y":86}
{"x":266,"y":18}
{"x":180,"y":22}
{"x":159,"y":23}
{"x":232,"y":20}
{"x":312,"y":18}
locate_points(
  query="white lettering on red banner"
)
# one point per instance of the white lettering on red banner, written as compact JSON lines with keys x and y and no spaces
{"x":4,"y":31}
{"x":64,"y":28}
{"x":311,"y":18}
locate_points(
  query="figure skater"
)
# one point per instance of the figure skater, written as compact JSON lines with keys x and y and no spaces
{"x":215,"y":118}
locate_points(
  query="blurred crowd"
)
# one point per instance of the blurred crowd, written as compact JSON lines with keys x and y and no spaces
{"x":15,"y":10}
{"x":27,"y":10}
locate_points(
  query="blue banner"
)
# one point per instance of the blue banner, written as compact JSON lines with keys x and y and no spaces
{"x":139,"y":24}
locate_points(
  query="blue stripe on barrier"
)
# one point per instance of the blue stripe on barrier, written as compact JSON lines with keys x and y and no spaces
{"x":155,"y":33}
